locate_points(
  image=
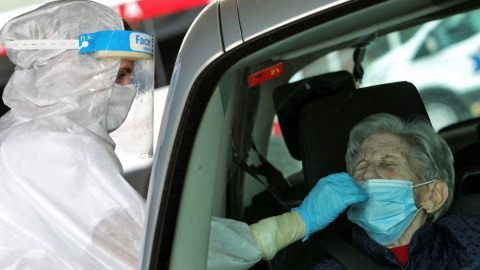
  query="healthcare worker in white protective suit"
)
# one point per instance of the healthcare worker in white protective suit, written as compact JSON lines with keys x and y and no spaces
{"x":64,"y":203}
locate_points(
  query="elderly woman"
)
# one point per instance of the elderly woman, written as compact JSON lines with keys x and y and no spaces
{"x":400,"y":182}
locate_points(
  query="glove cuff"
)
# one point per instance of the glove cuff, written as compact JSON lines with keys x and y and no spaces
{"x":307,"y":221}
{"x":274,"y":233}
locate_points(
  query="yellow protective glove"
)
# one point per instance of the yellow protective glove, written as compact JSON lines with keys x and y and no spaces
{"x":274,"y":233}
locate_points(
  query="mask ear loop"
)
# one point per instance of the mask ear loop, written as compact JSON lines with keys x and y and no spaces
{"x":422,"y":184}
{"x":426,"y":183}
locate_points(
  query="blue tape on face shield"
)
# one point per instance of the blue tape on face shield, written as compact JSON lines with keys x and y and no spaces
{"x":127,"y":45}
{"x":121,"y":44}
{"x":389,"y":210}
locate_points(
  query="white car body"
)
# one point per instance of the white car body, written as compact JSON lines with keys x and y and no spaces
{"x":451,"y":69}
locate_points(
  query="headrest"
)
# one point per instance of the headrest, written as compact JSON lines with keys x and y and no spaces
{"x":324,"y":124}
{"x":290,"y":99}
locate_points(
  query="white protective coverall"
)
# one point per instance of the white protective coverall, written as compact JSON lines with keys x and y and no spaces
{"x":64,"y":203}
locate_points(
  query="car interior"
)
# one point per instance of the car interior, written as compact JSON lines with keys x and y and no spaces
{"x":321,"y":142}
{"x":316,"y":128}
{"x":315,"y":103}
{"x":269,"y":141}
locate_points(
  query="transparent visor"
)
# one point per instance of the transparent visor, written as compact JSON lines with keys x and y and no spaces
{"x":135,"y":135}
{"x":129,"y":117}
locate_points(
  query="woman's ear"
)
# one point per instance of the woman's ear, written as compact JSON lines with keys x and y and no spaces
{"x":437,"y":195}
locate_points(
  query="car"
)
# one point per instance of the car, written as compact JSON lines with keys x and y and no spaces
{"x":441,"y":59}
{"x":246,"y":67}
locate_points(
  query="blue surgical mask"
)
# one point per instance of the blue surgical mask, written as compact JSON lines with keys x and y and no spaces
{"x":389,"y":210}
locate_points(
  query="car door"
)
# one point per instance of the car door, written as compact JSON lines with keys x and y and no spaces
{"x":217,"y":124}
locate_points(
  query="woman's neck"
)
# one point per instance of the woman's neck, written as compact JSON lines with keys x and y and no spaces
{"x":417,"y":222}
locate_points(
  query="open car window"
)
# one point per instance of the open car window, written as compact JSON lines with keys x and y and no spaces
{"x":441,"y":58}
{"x":389,"y":58}
{"x":236,"y":156}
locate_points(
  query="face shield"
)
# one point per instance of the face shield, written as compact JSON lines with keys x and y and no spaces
{"x":129,"y":113}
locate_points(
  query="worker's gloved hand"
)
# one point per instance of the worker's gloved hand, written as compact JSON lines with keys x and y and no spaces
{"x":330,"y":197}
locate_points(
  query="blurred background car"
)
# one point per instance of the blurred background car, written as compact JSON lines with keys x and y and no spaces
{"x":442,"y":58}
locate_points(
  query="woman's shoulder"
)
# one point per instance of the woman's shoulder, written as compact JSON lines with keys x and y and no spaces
{"x":459,"y":226}
{"x":459,"y":221}
{"x":462,"y":233}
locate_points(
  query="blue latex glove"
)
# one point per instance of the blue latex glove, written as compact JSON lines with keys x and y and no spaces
{"x":330,"y":197}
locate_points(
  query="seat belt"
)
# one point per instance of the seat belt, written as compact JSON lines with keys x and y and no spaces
{"x":358,"y":56}
{"x":276,"y":184}
{"x":345,"y":253}
{"x":275,"y":190}
{"x":270,"y":172}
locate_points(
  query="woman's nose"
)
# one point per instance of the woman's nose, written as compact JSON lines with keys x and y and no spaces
{"x":370,"y":173}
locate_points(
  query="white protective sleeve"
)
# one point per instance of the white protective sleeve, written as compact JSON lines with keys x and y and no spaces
{"x":232,"y":245}
{"x":236,"y":246}
{"x":275,"y":233}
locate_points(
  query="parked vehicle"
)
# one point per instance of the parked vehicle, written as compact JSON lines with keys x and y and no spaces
{"x":442,"y":60}
{"x":245,"y":63}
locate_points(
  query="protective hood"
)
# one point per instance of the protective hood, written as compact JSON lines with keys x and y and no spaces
{"x":64,"y":201}
{"x":60,"y":81}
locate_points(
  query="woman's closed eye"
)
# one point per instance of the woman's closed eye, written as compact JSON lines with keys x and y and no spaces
{"x":361,"y":165}
{"x":388,"y":163}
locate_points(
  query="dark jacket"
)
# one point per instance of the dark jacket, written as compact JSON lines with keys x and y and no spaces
{"x":452,"y":242}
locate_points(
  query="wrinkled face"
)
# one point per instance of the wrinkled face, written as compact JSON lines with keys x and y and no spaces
{"x":385,"y":156}
{"x":124,"y":73}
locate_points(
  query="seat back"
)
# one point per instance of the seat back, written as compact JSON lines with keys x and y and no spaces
{"x":325,"y":124}
{"x":467,"y":167}
{"x":289,"y":100}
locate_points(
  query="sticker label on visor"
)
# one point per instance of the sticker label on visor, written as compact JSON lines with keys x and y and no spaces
{"x":130,"y":45}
